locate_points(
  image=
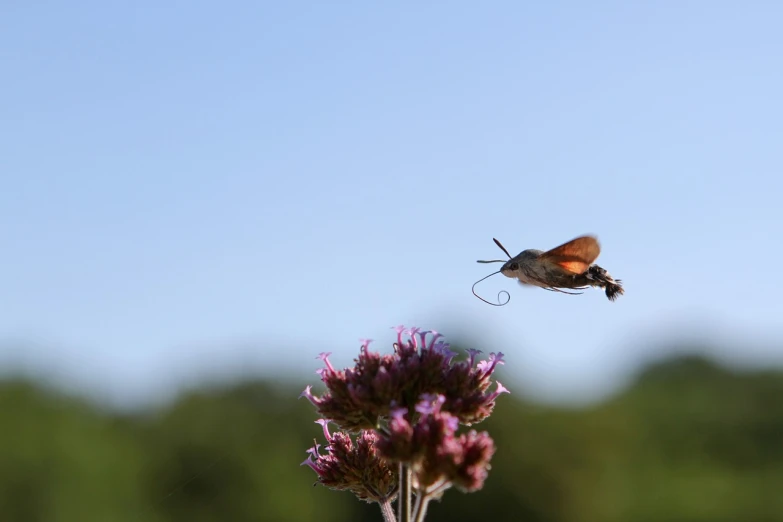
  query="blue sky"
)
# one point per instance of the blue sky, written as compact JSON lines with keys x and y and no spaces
{"x":196,"y":189}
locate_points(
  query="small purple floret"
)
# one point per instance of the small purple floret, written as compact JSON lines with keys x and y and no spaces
{"x":399,"y":329}
{"x":412,"y":333}
{"x":435,"y":337}
{"x":324,"y":356}
{"x":325,"y":425}
{"x":309,"y":395}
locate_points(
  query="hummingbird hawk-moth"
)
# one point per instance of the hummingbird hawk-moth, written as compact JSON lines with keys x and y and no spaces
{"x":570,"y":265}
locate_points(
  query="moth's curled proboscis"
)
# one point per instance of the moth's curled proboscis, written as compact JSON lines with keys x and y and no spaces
{"x":473,"y":289}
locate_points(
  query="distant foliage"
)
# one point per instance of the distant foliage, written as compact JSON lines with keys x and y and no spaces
{"x":689,"y":441}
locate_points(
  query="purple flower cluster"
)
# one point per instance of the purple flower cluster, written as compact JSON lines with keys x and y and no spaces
{"x":406,"y":408}
{"x":353,"y":467}
{"x":358,"y":398}
{"x":437,"y":457}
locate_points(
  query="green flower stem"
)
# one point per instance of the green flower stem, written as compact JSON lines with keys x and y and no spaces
{"x":387,"y":511}
{"x":421,"y":507}
{"x":405,"y":495}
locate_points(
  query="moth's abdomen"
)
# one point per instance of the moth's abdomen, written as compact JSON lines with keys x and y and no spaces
{"x":602,"y":279}
{"x":614,"y":290}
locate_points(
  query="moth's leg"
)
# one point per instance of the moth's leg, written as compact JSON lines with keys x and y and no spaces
{"x":563,"y":291}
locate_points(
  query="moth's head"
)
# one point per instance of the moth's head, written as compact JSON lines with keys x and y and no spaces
{"x":511,"y":267}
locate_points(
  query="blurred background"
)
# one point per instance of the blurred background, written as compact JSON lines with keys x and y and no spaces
{"x":198,"y":198}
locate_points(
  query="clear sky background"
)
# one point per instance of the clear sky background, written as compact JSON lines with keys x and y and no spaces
{"x":192,"y":189}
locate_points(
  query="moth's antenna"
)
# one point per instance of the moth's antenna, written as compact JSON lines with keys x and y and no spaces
{"x":501,"y":247}
{"x":473,"y":288}
{"x":497,"y":260}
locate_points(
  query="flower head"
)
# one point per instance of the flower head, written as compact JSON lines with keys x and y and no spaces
{"x":435,"y":453}
{"x":405,"y":408}
{"x":360,"y":397}
{"x":354,"y":467}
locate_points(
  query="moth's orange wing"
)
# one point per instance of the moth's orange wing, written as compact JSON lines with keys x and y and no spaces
{"x":576,"y":256}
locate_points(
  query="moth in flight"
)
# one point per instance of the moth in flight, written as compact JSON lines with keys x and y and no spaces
{"x":570,"y":266}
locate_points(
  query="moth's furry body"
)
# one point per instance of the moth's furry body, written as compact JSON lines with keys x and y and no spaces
{"x":568,"y":266}
{"x":528,"y":270}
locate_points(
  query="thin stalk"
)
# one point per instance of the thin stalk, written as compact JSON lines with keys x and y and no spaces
{"x":421,"y":507}
{"x":404,"y":497}
{"x":417,"y":505}
{"x":387,"y":511}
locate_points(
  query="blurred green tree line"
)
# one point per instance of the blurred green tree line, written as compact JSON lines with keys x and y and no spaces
{"x":688,"y":441}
